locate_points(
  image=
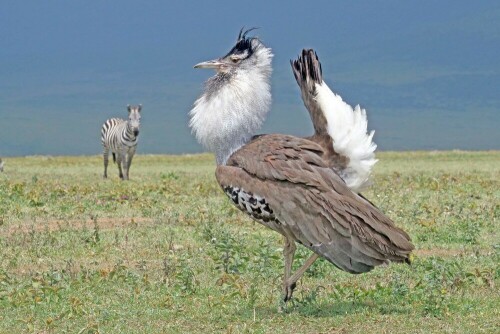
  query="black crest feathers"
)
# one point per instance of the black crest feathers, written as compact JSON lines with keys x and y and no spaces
{"x":243,"y":43}
{"x":243,"y":35}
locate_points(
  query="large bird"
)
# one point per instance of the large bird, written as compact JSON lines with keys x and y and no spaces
{"x":306,"y":189}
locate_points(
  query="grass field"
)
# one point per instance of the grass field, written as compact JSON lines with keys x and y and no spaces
{"x":167,"y":252}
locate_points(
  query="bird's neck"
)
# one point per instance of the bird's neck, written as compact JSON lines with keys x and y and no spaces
{"x":231,"y":110}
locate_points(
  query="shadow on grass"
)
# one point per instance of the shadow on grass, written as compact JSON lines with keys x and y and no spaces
{"x":334,"y":309}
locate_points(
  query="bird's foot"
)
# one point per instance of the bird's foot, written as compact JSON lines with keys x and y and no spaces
{"x":288,"y":291}
{"x":286,"y":303}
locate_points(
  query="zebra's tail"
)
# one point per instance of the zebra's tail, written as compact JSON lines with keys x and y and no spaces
{"x":114,"y":157}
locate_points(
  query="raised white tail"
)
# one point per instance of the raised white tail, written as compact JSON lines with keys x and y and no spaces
{"x":348,"y":129}
{"x":331,"y":116}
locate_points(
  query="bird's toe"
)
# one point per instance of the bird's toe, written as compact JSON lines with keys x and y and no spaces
{"x":288,"y":291}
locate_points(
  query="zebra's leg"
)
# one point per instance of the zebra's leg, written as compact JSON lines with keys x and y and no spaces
{"x":119,"y":160}
{"x":106,"y":161}
{"x":125,"y":166}
{"x":129,"y":155}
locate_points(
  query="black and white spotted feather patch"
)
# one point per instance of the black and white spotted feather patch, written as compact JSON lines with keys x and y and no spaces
{"x":252,"y":204}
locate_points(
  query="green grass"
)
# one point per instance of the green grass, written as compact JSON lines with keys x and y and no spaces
{"x":167,"y":252}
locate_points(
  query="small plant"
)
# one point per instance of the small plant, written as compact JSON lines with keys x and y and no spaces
{"x":169,"y":176}
{"x":95,"y":237}
{"x":232,"y":258}
{"x":252,"y":295}
{"x":440,"y":279}
{"x":186,"y":280}
{"x":177,"y":273}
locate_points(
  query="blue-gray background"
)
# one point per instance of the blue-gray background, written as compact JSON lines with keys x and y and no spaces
{"x":428,"y":72}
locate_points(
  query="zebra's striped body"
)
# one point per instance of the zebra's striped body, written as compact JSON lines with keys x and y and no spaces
{"x":120,"y":137}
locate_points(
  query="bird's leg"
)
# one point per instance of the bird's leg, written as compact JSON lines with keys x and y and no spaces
{"x":292,"y":281}
{"x":288,"y":253}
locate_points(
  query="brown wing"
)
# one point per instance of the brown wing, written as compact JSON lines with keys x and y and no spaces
{"x":311,"y":204}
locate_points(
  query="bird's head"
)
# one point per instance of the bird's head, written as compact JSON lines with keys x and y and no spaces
{"x":236,"y":100}
{"x":246,"y":54}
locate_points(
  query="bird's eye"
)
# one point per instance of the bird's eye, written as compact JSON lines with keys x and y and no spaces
{"x":235,"y":59}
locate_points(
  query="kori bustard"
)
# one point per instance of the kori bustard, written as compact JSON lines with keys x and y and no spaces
{"x":306,"y":189}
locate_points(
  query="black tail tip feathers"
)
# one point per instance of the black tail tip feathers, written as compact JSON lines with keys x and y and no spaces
{"x":307,"y":67}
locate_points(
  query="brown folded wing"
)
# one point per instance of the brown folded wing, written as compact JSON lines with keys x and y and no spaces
{"x":285,"y":183}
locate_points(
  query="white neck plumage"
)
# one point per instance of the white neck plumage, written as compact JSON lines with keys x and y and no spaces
{"x":233,"y":106}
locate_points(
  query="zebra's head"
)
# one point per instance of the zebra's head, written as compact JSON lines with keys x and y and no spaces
{"x":134,"y":118}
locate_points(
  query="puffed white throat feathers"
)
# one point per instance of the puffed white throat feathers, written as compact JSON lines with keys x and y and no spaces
{"x":233,"y":106}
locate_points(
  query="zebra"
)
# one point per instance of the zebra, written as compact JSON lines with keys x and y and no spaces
{"x":120,"y":137}
{"x":1,"y":165}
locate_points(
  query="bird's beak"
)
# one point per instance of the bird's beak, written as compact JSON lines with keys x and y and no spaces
{"x":215,"y":64}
